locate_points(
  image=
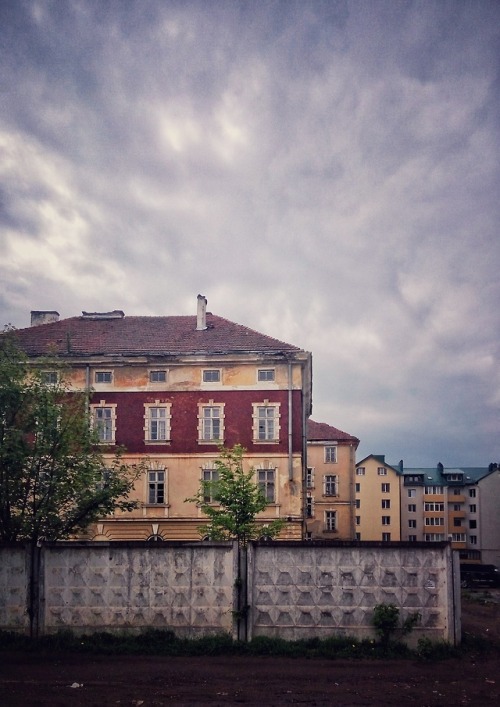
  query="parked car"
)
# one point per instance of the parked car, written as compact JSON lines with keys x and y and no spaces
{"x":472,"y":575}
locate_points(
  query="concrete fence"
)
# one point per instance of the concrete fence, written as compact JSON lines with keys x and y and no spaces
{"x":288,"y":589}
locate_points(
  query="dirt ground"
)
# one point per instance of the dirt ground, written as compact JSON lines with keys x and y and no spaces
{"x":29,"y":680}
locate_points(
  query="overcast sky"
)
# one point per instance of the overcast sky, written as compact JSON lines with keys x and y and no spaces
{"x":325,"y":172}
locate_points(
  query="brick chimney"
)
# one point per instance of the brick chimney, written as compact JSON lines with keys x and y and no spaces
{"x":201,"y":314}
{"x":43,"y":317}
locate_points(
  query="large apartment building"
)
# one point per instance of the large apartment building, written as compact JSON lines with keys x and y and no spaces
{"x":455,"y":504}
{"x":329,"y":483}
{"x":170,"y":390}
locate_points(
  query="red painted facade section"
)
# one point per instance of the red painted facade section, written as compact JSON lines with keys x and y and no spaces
{"x":238,"y":420}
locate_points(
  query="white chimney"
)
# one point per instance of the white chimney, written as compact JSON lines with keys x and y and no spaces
{"x":43,"y":317}
{"x":201,"y":314}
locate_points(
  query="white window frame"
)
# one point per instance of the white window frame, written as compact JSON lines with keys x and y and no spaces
{"x":412,"y":523}
{"x":206,"y":422}
{"x":309,"y":506}
{"x":154,"y":372}
{"x":266,"y":479}
{"x":310,"y":477}
{"x":157,"y":486}
{"x":360,"y":471}
{"x":386,"y":537}
{"x":412,"y":493}
{"x":381,"y":471}
{"x":386,"y":520}
{"x":330,"y":521}
{"x":459,"y":537}
{"x":386,"y":503}
{"x":266,"y":375}
{"x":99,"y":407}
{"x":105,"y":373}
{"x":331,"y":454}
{"x":473,"y":539}
{"x":50,"y":377}
{"x":209,"y":473}
{"x":434,"y":537}
{"x":412,"y":508}
{"x":385,"y":487}
{"x":472,"y":493}
{"x":433,"y":491}
{"x":211,"y":376}
{"x":434,"y":521}
{"x":149,"y":422}
{"x":261,"y":422}
{"x":330,"y":485}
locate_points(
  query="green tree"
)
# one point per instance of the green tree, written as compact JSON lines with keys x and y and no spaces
{"x":53,"y":479}
{"x":232,"y":500}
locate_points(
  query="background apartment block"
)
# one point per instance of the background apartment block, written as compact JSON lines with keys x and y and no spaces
{"x":377,"y":500}
{"x":456,"y":504}
{"x":170,"y":391}
{"x":329,"y":483}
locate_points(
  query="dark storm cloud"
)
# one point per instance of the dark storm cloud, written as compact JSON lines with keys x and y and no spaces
{"x":325,"y":172}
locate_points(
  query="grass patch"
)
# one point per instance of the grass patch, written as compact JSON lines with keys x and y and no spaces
{"x":165,"y":642}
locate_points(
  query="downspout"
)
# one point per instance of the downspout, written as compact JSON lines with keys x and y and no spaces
{"x":290,"y":423}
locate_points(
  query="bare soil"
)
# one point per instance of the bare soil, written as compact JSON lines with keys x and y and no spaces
{"x":29,"y":679}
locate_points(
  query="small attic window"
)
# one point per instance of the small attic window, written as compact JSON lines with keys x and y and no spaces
{"x":103,"y":377}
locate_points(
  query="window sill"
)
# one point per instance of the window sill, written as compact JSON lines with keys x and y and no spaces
{"x":211,"y":442}
{"x":155,"y":505}
{"x":156,"y":442}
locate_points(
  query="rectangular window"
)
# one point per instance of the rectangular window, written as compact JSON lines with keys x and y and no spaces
{"x":103,"y":377}
{"x":434,"y":521}
{"x":265,"y":375}
{"x":330,"y":485}
{"x":412,"y":538}
{"x":330,"y":455}
{"x":386,"y":503}
{"x":330,"y":521}
{"x":434,"y":507}
{"x":156,"y":487}
{"x":358,"y":503}
{"x":434,"y":537}
{"x":266,"y":422}
{"x":360,"y":471}
{"x":457,"y":506}
{"x":386,"y":537}
{"x":412,"y":508}
{"x":357,"y":487}
{"x":473,"y":524}
{"x":358,"y":520}
{"x":266,"y":478}
{"x":103,"y":418}
{"x":386,"y":520}
{"x":210,"y":477}
{"x":358,"y":536}
{"x":433,"y":490}
{"x":310,"y":478}
{"x":412,"y":493}
{"x":386,"y":488}
{"x":382,"y":471}
{"x":49,"y":377}
{"x":157,"y":422}
{"x":472,"y":508}
{"x":472,"y":493}
{"x":473,"y":539}
{"x":309,"y":506}
{"x":457,"y":492}
{"x":211,"y":423}
{"x":458,"y":537}
{"x":211,"y":375}
{"x":412,"y":523}
{"x":157,"y":376}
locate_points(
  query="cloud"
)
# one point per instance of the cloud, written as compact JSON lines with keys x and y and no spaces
{"x":323,"y":172}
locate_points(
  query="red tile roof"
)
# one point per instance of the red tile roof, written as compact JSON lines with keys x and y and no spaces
{"x":321,"y":432}
{"x":88,"y":335}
